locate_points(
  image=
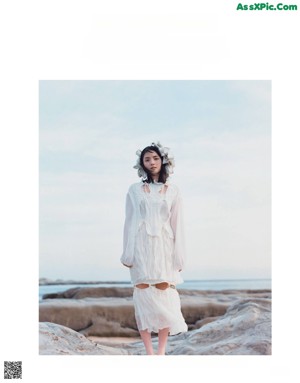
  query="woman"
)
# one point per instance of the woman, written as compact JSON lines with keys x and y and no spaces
{"x":153,"y":247}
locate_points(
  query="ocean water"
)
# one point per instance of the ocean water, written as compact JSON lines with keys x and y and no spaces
{"x":218,"y":285}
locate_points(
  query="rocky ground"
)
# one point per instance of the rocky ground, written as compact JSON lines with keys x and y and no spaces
{"x":101,"y":321}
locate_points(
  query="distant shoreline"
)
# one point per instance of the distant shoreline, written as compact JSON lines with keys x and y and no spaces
{"x":49,"y":282}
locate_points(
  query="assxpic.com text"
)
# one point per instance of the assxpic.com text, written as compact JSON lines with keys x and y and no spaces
{"x":266,"y":7}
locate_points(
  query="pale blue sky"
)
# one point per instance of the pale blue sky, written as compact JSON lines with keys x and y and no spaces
{"x":220,"y":134}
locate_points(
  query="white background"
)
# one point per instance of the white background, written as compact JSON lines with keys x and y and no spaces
{"x":141,"y":40}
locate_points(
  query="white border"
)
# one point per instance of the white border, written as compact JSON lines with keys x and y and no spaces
{"x":141,"y":40}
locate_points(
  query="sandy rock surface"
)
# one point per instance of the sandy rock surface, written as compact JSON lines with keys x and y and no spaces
{"x":245,"y":329}
{"x":55,"y":339}
{"x":102,"y":312}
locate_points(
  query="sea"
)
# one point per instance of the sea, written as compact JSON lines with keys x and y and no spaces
{"x":217,"y":285}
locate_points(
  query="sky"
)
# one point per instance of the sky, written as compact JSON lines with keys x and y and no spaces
{"x":220,"y":135}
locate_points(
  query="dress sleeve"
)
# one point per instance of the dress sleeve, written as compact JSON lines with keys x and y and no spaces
{"x":177,"y":225}
{"x":128,"y":233}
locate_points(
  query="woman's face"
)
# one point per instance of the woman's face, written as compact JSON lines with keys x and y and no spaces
{"x":152,"y":162}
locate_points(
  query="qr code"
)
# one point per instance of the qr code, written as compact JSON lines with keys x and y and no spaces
{"x":12,"y":370}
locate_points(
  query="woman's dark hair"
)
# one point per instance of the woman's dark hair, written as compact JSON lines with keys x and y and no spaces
{"x":163,"y":174}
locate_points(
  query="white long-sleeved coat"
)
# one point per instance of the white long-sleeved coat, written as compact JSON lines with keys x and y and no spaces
{"x":153,"y":238}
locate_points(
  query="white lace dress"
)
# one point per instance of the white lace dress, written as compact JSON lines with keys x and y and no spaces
{"x":153,"y":247}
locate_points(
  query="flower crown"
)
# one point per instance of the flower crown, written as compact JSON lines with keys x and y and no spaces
{"x":167,"y":159}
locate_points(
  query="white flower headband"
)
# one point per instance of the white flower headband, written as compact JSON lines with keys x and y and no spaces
{"x":167,"y":159}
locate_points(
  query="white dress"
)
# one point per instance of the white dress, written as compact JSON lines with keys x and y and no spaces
{"x":153,"y":247}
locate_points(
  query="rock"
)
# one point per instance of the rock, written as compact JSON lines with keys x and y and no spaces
{"x":114,"y":316}
{"x":55,"y":339}
{"x":245,"y":329}
{"x":121,"y":292}
{"x":202,"y":322}
{"x":99,"y":317}
{"x":91,"y":292}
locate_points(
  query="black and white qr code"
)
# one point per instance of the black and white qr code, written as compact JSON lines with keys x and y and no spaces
{"x":12,"y":370}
